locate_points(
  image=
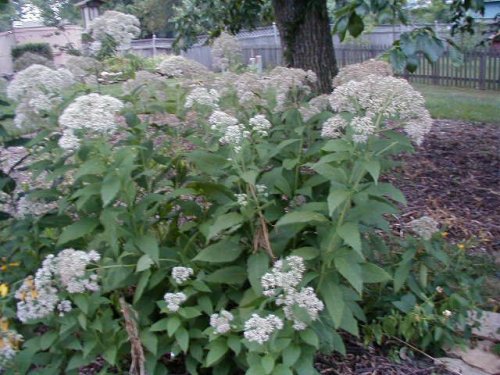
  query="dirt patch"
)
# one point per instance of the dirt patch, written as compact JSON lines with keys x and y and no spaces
{"x":454,"y":176}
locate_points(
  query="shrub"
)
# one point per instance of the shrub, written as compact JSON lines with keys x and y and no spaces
{"x":226,"y":53}
{"x":28,"y":59}
{"x":42,"y":49}
{"x":240,"y":238}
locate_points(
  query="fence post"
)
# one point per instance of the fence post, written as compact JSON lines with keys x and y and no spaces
{"x":482,"y":70}
{"x":154,"y":45}
{"x":275,"y":32}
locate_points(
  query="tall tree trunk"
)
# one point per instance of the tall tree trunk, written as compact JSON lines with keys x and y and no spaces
{"x":306,"y":39}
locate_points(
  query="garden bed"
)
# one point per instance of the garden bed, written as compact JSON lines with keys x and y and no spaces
{"x":454,"y":177}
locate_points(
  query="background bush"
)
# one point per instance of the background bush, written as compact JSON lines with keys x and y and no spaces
{"x":42,"y":49}
{"x":28,"y":59}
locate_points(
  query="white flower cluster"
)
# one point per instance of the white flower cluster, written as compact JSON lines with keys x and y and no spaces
{"x":181,"y":274}
{"x":226,"y":52}
{"x":221,"y":322}
{"x":285,"y":276}
{"x":258,"y":329}
{"x":91,"y":114}
{"x":147,"y":86}
{"x":290,"y":84}
{"x":177,"y":66}
{"x":260,"y":125}
{"x":120,"y":26}
{"x":306,"y":299}
{"x":64,"y":307}
{"x":242,"y":199}
{"x":425,"y":227}
{"x":39,"y":296}
{"x":233,"y":132}
{"x":174,"y":300}
{"x":202,"y":96}
{"x":37,"y":90}
{"x":84,"y":69}
{"x":315,"y":106}
{"x":332,"y":128}
{"x":358,"y":72}
{"x":376,"y":99}
{"x":249,"y":89}
{"x":283,"y":282}
{"x":9,"y":344}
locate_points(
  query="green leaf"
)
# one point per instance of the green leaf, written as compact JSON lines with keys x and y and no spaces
{"x":349,"y":323}
{"x":217,"y":350}
{"x":267,"y":363}
{"x":82,"y":302}
{"x":373,"y":167}
{"x":47,"y":340}
{"x":76,"y":362}
{"x":337,"y":145}
{"x":224,"y":222}
{"x":398,"y":60}
{"x":310,"y":337}
{"x":228,"y":275}
{"x":144,"y":263}
{"x":401,"y":276}
{"x":77,"y":230}
{"x":290,"y":355}
{"x":109,"y":189}
{"x":335,"y":199}
{"x":282,"y":369}
{"x":182,"y":338}
{"x":308,"y":253}
{"x":296,"y":217}
{"x":150,"y":341}
{"x":141,"y":285}
{"x":110,"y":355}
{"x":149,"y":245}
{"x":334,"y":300}
{"x":257,"y":266}
{"x":234,"y":342}
{"x":173,"y":325}
{"x":160,"y":325}
{"x":407,"y":303}
{"x":221,"y":252}
{"x":349,"y":232}
{"x":351,"y":270}
{"x":374,"y":274}
{"x":356,"y":25}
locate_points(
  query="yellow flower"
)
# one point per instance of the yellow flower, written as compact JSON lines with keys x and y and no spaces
{"x":15,"y":264}
{"x":3,"y":267}
{"x":461,"y":246}
{"x":4,"y":290}
{"x":444,"y":234}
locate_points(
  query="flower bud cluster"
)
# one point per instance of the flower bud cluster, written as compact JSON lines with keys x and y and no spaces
{"x":260,"y":125}
{"x":332,"y":128}
{"x":425,"y":227}
{"x":37,"y":90}
{"x":181,"y":274}
{"x":38,"y":297}
{"x":283,"y":282}
{"x":202,"y":96}
{"x":174,"y":300}
{"x":259,"y":330}
{"x":376,"y":99}
{"x":91,"y":114}
{"x":221,"y":322}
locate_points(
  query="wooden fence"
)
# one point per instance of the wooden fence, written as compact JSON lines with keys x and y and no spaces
{"x":480,"y":68}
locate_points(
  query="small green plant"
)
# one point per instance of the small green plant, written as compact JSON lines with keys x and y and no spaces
{"x":42,"y":49}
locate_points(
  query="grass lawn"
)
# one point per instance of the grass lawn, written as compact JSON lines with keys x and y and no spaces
{"x":461,"y":104}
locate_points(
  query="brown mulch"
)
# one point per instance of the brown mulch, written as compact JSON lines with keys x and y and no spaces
{"x":370,"y":360}
{"x":454,"y":176}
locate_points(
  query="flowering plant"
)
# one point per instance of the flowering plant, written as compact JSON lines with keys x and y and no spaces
{"x":231,"y":225}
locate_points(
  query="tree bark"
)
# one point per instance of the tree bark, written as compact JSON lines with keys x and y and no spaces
{"x":306,"y":39}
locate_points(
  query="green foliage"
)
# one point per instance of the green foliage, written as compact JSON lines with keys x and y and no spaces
{"x":42,"y":49}
{"x":28,"y":59}
{"x":147,"y":204}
